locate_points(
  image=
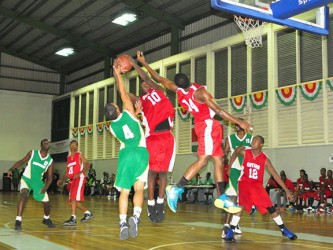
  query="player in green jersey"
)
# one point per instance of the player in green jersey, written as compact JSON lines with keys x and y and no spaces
{"x":38,"y":163}
{"x":133,"y":156}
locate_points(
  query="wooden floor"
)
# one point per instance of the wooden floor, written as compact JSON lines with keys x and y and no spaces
{"x":192,"y":227}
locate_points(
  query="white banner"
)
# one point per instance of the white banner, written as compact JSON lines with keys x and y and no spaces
{"x":60,"y":146}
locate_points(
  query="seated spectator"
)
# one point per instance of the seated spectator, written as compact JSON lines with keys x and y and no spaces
{"x":282,"y":194}
{"x":329,"y":189}
{"x":308,"y":194}
{"x":191,"y":195}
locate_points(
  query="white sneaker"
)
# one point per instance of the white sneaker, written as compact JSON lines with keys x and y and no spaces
{"x":238,"y":230}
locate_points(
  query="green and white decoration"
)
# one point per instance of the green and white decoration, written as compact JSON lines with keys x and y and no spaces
{"x":287,"y":95}
{"x":310,"y":91}
{"x":238,"y":103}
{"x":259,"y":99}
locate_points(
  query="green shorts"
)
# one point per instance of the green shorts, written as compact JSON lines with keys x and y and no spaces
{"x":36,"y":186}
{"x":132,"y":166}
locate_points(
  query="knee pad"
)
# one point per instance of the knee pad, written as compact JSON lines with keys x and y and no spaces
{"x":271,"y":210}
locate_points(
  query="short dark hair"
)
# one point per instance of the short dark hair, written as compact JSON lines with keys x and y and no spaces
{"x":41,"y":142}
{"x":182,"y":81}
{"x":110,"y":112}
{"x":73,"y":141}
{"x":262,"y":140}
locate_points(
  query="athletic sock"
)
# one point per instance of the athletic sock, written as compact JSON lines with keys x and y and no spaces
{"x":19,"y":218}
{"x":160,"y":200}
{"x":151,"y":202}
{"x":183,"y":181}
{"x":137,"y":211}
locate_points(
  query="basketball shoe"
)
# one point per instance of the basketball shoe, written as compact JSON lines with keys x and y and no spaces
{"x":253,"y":210}
{"x":18,"y":225}
{"x":123,"y":231}
{"x":70,"y":222}
{"x":133,"y":223}
{"x":225,"y":203}
{"x":173,"y":193}
{"x":238,"y":230}
{"x":224,"y":230}
{"x":160,"y":212}
{"x":49,"y":223}
{"x":151,"y":210}
{"x":229,"y":235}
{"x":289,"y":234}
{"x":87,"y":216}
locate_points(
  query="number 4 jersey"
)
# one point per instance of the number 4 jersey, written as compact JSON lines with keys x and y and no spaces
{"x":253,"y":167}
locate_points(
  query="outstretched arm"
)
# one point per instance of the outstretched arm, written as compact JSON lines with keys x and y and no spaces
{"x":276,"y":176}
{"x":143,"y":75}
{"x":127,"y":103}
{"x":166,"y":82}
{"x":19,"y":163}
{"x":49,"y":178}
{"x":238,"y":151}
{"x":202,"y":95}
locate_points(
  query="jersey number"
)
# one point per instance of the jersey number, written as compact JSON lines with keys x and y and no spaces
{"x":154,"y":98}
{"x":127,"y":132}
{"x":70,"y":170}
{"x":253,"y":173}
{"x":191,"y":106}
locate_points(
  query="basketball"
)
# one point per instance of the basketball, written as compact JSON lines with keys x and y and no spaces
{"x":124,"y":63}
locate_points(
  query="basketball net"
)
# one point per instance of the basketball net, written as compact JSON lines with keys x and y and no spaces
{"x":252,"y":30}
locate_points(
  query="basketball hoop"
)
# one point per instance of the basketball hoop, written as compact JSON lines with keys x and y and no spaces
{"x":252,"y":30}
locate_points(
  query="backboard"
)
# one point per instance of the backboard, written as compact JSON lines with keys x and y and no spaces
{"x":260,"y":9}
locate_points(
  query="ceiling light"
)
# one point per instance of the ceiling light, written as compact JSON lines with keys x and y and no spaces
{"x":125,"y":19}
{"x":67,"y":51}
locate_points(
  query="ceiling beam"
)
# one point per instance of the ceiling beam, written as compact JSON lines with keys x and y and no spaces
{"x":154,"y":12}
{"x":73,"y":39}
{"x":29,"y":58}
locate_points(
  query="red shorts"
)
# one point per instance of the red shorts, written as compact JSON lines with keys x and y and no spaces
{"x":77,"y":188}
{"x":209,"y":133}
{"x":309,"y":194}
{"x":162,"y":151}
{"x":327,"y":194}
{"x":253,"y":193}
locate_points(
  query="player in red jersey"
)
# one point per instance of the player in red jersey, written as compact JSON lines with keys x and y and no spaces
{"x":198,"y":101}
{"x":77,"y":164}
{"x":250,"y":186}
{"x":323,"y":190}
{"x":158,"y":114}
{"x":329,"y":184}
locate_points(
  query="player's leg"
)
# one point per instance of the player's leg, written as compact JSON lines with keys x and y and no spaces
{"x":175,"y":192}
{"x":20,"y":205}
{"x":47,"y":208}
{"x":163,"y":178}
{"x":123,"y":206}
{"x":151,"y":191}
{"x":134,"y":220}
{"x":278,"y":220}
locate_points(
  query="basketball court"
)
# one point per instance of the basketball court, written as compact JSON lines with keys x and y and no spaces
{"x":192,"y":227}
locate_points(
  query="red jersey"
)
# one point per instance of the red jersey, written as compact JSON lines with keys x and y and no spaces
{"x":321,"y":183}
{"x":199,"y":110}
{"x":328,"y":184}
{"x":156,"y":108}
{"x":289,"y":184}
{"x":74,"y":165}
{"x":300,"y":183}
{"x":254,"y":167}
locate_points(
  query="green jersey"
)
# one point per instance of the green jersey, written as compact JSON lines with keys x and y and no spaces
{"x":235,"y":142}
{"x":128,"y":131}
{"x":133,"y":155}
{"x":33,"y":174}
{"x":37,"y":166}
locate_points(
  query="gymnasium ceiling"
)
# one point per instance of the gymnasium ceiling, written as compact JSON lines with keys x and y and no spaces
{"x":34,"y":29}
